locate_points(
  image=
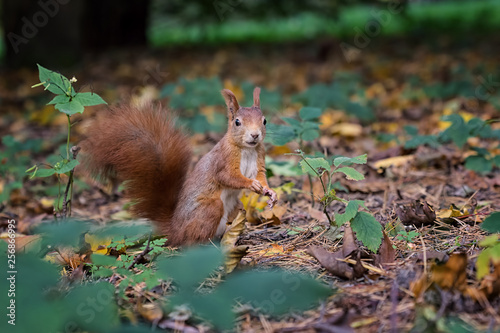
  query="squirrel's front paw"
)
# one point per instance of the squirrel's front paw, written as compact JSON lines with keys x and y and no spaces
{"x":273,"y":197}
{"x":256,"y":186}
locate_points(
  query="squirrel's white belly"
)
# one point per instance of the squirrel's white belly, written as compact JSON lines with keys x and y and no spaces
{"x":229,"y":197}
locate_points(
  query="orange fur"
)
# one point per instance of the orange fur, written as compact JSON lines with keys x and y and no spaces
{"x":141,"y":147}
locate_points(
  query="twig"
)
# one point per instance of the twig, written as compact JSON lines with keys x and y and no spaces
{"x":74,"y":150}
{"x":141,"y":255}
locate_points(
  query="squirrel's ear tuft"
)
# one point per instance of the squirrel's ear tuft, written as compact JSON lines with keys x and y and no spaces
{"x":231,"y":102}
{"x":256,"y":97}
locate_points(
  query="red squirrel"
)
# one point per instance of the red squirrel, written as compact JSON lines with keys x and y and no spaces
{"x":141,"y":146}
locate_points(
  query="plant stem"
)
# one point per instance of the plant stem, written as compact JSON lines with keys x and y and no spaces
{"x":69,"y":132}
{"x":312,"y":192}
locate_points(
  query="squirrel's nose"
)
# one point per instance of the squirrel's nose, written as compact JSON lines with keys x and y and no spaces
{"x":255,"y":136}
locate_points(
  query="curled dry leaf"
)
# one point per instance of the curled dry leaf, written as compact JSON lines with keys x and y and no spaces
{"x":332,"y":261}
{"x":234,"y":231}
{"x":228,"y":242}
{"x":234,"y":256}
{"x":417,"y":213}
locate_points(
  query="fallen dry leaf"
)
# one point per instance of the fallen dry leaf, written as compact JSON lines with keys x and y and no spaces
{"x":387,"y":253}
{"x":417,"y":213}
{"x":396,"y":161}
{"x":333,"y":261}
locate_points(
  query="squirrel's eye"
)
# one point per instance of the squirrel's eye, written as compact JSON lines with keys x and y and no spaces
{"x":237,"y":122}
{"x":265,"y":121}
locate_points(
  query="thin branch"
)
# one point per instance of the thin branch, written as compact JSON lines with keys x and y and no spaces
{"x":141,"y":255}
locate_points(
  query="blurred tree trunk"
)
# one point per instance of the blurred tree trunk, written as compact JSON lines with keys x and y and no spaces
{"x":56,"y":33}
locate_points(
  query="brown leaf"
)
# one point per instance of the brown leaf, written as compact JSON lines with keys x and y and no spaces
{"x":451,"y":275}
{"x":331,"y":261}
{"x":387,"y":253}
{"x":417,"y":213}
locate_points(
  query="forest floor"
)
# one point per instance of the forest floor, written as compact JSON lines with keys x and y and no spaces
{"x":430,"y":205}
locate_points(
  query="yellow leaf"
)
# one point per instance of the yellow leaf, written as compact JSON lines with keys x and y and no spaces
{"x":348,"y":130}
{"x":453,"y":211}
{"x":98,"y":244}
{"x":234,"y":231}
{"x":234,"y":256}
{"x":393,"y":161}
{"x":46,"y":202}
{"x":275,"y":249}
{"x":238,"y":92}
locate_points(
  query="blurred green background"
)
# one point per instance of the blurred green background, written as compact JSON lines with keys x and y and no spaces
{"x":72,"y":28}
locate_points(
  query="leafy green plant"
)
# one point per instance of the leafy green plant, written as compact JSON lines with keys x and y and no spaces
{"x":419,"y":140}
{"x":338,"y":95}
{"x":55,"y":304}
{"x":407,"y":236}
{"x":273,"y":292}
{"x":305,"y":129}
{"x":368,"y":230}
{"x":458,"y":133}
{"x":70,"y":102}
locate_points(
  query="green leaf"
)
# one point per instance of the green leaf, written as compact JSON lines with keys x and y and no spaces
{"x":54,"y":82}
{"x":275,"y":292}
{"x":361,"y":159}
{"x":421,"y":140}
{"x":296,"y":124}
{"x":102,"y":272}
{"x":489,"y":241}
{"x":479,"y":164}
{"x":68,"y":232}
{"x":492,"y":223}
{"x":70,"y":108}
{"x":319,"y":166}
{"x":458,"y":131}
{"x":309,"y":134}
{"x":350,"y":211}
{"x":193,"y":266}
{"x":483,"y":263}
{"x":44,"y":173}
{"x":102,"y":260}
{"x":89,"y":99}
{"x":59,"y":99}
{"x":309,"y":113}
{"x":279,"y":135}
{"x":102,"y":316}
{"x":215,"y":307}
{"x":368,"y":230}
{"x":65,"y":166}
{"x":351,"y":173}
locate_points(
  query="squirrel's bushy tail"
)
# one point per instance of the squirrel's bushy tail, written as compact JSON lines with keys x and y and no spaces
{"x":140,"y":146}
